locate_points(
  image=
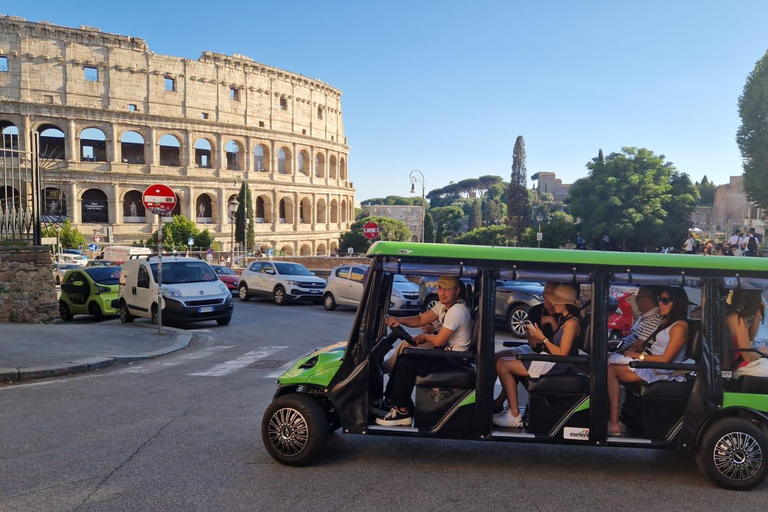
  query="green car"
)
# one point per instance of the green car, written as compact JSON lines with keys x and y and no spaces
{"x":89,"y":291}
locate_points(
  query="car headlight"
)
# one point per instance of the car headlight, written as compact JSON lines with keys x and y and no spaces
{"x":292,"y":282}
{"x":171,"y":292}
{"x":223,"y":288}
{"x":396,"y":293}
{"x":102,"y":289}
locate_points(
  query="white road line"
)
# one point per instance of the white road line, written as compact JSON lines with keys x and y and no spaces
{"x":236,"y":364}
{"x":153,"y":366}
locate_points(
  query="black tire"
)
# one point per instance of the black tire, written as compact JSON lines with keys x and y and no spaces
{"x":329,"y":302}
{"x":154,"y":314}
{"x":294,"y":429}
{"x":516,"y":317}
{"x":125,"y":316}
{"x":64,"y":311}
{"x":224,"y":321}
{"x":279,"y":296}
{"x":58,"y":280}
{"x":430,"y":302}
{"x":733,"y":453}
{"x":242,"y":293}
{"x":95,"y":311}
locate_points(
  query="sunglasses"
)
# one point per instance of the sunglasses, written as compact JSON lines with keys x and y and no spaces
{"x":665,"y":300}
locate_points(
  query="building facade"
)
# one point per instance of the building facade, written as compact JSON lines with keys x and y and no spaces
{"x":411,"y":216}
{"x":112,"y":118}
{"x":548,"y":182}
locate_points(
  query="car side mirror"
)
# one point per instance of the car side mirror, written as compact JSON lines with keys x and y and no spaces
{"x":270,"y":271}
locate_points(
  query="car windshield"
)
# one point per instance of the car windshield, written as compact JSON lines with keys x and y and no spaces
{"x":292,"y":269}
{"x":223,"y":270}
{"x":401,"y":279}
{"x":104,"y":275}
{"x":177,"y":272}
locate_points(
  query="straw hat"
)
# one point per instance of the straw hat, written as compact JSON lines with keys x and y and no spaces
{"x":563,"y":294}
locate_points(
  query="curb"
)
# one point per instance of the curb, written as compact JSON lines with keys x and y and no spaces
{"x":8,"y":375}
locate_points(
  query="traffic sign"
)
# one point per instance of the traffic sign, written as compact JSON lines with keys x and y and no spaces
{"x":96,"y":238}
{"x":159,"y":199}
{"x":371,"y":230}
{"x":210,"y":251}
{"x":93,"y":247}
{"x":190,"y":241}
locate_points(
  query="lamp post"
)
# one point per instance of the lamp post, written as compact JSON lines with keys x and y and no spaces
{"x":233,"y":204}
{"x":57,"y":228}
{"x":414,"y":180}
{"x":539,"y":217}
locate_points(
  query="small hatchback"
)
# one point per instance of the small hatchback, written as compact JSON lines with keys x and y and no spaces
{"x":345,"y":288}
{"x":89,"y":291}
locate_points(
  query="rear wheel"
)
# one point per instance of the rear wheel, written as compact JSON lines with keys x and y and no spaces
{"x":242,"y":292}
{"x":329,"y":302}
{"x":516,"y":318}
{"x":294,"y":429}
{"x":733,"y":454}
{"x":64,"y":311}
{"x":125,"y":316}
{"x":430,"y":302}
{"x":279,"y":296}
{"x":95,"y":311}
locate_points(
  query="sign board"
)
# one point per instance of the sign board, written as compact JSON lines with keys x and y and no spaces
{"x":350,"y":250}
{"x":539,"y":236}
{"x":371,"y":230}
{"x":190,"y":241}
{"x":93,"y":247}
{"x":159,"y":199}
{"x":96,"y":238}
{"x":210,"y":251}
{"x":48,"y":240}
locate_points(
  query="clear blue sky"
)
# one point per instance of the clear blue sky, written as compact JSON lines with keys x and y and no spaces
{"x":446,"y":87}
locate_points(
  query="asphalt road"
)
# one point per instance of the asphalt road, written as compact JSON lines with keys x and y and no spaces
{"x":182,"y":433}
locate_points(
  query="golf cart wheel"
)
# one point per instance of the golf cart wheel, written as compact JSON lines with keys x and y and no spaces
{"x":733,"y":454}
{"x":329,"y":302}
{"x":294,"y":429}
{"x":516,"y":320}
{"x":125,"y":316}
{"x":64,"y":311}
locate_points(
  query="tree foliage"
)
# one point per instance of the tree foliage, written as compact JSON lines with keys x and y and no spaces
{"x":69,"y":236}
{"x":476,"y":215}
{"x":491,"y":235}
{"x":392,"y":200}
{"x":636,"y":197}
{"x":429,"y":228}
{"x":470,"y":188}
{"x":389,"y":229}
{"x":448,"y":218}
{"x":752,"y":136}
{"x":706,"y":191}
{"x":177,"y":232}
{"x":245,"y":211}
{"x":518,"y":208}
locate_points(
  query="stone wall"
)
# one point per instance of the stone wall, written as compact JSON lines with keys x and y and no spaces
{"x":27,"y":290}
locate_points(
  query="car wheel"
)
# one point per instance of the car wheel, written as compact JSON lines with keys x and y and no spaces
{"x":95,"y":311}
{"x":224,"y":321}
{"x":294,"y":429}
{"x":279,"y":296}
{"x":242,"y":293}
{"x":516,"y":320}
{"x":733,"y":454}
{"x":58,"y":280}
{"x":64,"y":311}
{"x":329,"y":302}
{"x":125,"y":316}
{"x":430,"y":302}
{"x":154,"y":314}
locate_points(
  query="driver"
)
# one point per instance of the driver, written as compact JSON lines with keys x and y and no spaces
{"x":454,"y":334}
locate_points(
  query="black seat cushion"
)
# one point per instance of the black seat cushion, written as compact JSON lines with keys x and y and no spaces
{"x":460,"y":377}
{"x":750,"y":384}
{"x":565,"y":383}
{"x":662,"y":389}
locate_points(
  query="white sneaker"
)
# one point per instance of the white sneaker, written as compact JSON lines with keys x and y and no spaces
{"x":505,"y":419}
{"x":757,"y":368}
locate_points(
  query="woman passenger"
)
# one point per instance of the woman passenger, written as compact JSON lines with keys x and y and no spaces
{"x":744,"y":314}
{"x":567,"y":328}
{"x":665,"y":347}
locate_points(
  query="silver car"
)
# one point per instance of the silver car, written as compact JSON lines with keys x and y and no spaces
{"x":345,"y":288}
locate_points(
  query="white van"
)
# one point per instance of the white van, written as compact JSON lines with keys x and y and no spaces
{"x":122,"y":253}
{"x":191,"y":291}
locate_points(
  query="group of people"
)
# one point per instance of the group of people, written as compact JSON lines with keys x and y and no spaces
{"x":736,"y":245}
{"x":660,"y":334}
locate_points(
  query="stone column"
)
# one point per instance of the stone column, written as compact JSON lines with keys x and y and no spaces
{"x":72,"y":145}
{"x":113,"y":154}
{"x":25,"y":134}
{"x":115,"y":206}
{"x":189,"y":153}
{"x":273,"y":159}
{"x":294,"y":162}
{"x":246,"y":160}
{"x":296,"y":202}
{"x":74,"y":205}
{"x":221,"y":153}
{"x":150,"y":148}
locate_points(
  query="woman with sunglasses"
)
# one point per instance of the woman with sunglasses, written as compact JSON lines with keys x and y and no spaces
{"x":744,"y":314}
{"x":665,"y":347}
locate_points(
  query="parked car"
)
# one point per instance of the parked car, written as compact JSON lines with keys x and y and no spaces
{"x":191,"y":292}
{"x":345,"y":288}
{"x":76,"y":259}
{"x":60,"y":269}
{"x":89,"y":291}
{"x":513,"y":300}
{"x":280,"y":280}
{"x":102,"y":263}
{"x":227,"y":276}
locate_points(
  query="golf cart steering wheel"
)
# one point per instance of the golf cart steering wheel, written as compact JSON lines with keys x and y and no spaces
{"x":403,"y":335}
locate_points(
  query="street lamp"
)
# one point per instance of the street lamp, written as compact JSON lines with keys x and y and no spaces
{"x":57,"y":228}
{"x":414,"y":180}
{"x":539,"y":217}
{"x":233,"y":204}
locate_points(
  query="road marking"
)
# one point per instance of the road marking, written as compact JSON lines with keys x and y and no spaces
{"x":234,"y":365}
{"x":153,"y":366}
{"x":278,"y":372}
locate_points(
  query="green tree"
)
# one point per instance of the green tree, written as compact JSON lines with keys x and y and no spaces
{"x":69,"y":237}
{"x":440,"y":237}
{"x":476,"y":215}
{"x":492,"y":235}
{"x":389,"y":229}
{"x":449,"y":218}
{"x":752,"y":136}
{"x":429,"y":228}
{"x":518,"y":209}
{"x":706,"y":191}
{"x":245,"y":230}
{"x":558,"y":231}
{"x":176,"y":234}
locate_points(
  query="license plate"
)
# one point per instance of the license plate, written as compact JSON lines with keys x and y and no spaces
{"x":205,"y":309}
{"x":314,"y":291}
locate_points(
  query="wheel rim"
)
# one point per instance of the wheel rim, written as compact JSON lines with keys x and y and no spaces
{"x":288,"y":432}
{"x":328,"y":301}
{"x":279,"y":295}
{"x":737,"y":456}
{"x":517,"y":322}
{"x":431,"y":304}
{"x":243,"y":292}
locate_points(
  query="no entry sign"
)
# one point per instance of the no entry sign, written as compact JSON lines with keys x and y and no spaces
{"x":159,"y":199}
{"x":371,"y":230}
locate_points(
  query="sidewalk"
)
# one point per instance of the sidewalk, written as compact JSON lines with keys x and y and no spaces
{"x":35,"y":351}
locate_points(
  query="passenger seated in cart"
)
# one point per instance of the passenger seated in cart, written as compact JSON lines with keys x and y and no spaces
{"x":664,"y":346}
{"x":564,"y":342}
{"x":745,"y":312}
{"x":454,"y":334}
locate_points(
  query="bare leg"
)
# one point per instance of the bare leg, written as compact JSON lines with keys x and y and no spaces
{"x":508,"y":371}
{"x":617,"y":373}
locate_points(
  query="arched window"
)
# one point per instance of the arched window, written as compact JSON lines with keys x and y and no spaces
{"x":260,"y":158}
{"x":320,"y":250}
{"x":286,"y":250}
{"x":283,"y":103}
{"x":93,"y":145}
{"x":305,"y":211}
{"x":304,"y":163}
{"x":9,"y":136}
{"x":321,"y":211}
{"x":133,"y":207}
{"x":259,"y":213}
{"x":204,"y":209}
{"x":344,"y":210}
{"x":176,"y":210}
{"x":131,"y":148}
{"x":55,"y":205}
{"x":284,"y":161}
{"x":334,"y":211}
{"x":319,"y":112}
{"x":170,"y":151}
{"x":203,"y":154}
{"x":342,"y":169}
{"x":52,"y":142}
{"x":233,"y":156}
{"x":332,"y":167}
{"x":285,"y":211}
{"x":305,"y":250}
{"x":319,"y":165}
{"x":95,"y":208}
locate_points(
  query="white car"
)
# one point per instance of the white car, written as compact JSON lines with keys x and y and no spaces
{"x":345,"y":288}
{"x":282,"y":281}
{"x":73,"y":259}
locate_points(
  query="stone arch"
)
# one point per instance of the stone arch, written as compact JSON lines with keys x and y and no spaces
{"x":262,"y":212}
{"x":133,"y":207}
{"x":343,"y":210}
{"x":319,"y":165}
{"x":93,"y":145}
{"x":342,"y":169}
{"x":9,"y":198}
{"x":132,"y":148}
{"x":261,"y":158}
{"x":170,"y":150}
{"x":234,"y":150}
{"x":304,"y":163}
{"x":285,"y":210}
{"x":305,"y":250}
{"x":332,"y":167}
{"x":204,"y":209}
{"x":9,"y":135}
{"x":286,"y":250}
{"x":320,"y":251}
{"x":334,"y":211}
{"x":283,"y":102}
{"x":334,"y":248}
{"x":176,"y":209}
{"x":94,"y":206}
{"x":54,"y":205}
{"x":284,"y":161}
{"x":52,"y":141}
{"x":305,"y":211}
{"x":414,"y":238}
{"x":320,"y":211}
{"x":204,"y":153}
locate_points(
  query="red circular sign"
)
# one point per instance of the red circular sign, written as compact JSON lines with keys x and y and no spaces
{"x":159,"y":199}
{"x":371,"y":230}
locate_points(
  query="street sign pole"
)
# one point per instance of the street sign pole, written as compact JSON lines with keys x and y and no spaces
{"x":160,"y":275}
{"x":161,"y":200}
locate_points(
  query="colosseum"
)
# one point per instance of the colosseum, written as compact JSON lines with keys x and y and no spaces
{"x":112,"y":118}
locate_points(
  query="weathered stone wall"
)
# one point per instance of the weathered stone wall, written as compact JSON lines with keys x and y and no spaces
{"x":27,"y":290}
